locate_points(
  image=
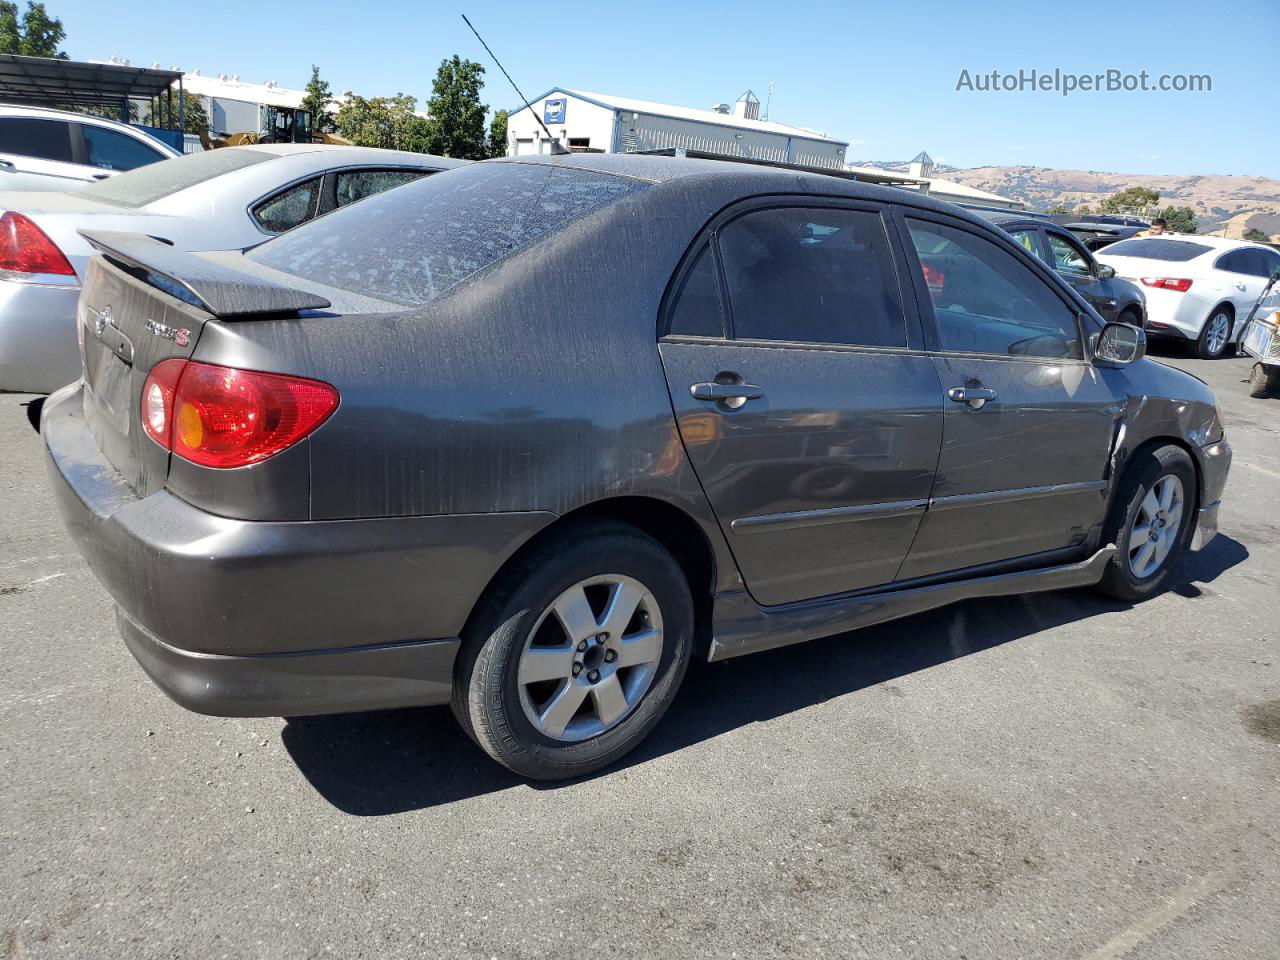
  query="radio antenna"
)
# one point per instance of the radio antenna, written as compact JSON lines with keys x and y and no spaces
{"x":556,"y":146}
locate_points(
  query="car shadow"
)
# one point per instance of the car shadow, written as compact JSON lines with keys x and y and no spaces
{"x":388,"y":762}
{"x":34,"y":409}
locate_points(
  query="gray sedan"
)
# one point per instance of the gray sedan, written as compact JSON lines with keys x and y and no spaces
{"x":527,"y":437}
{"x":225,"y":199}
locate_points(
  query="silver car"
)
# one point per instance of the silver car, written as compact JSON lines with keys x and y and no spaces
{"x":226,"y":199}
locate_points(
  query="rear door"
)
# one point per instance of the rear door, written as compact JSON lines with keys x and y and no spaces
{"x":806,"y":403}
{"x":1029,"y":421}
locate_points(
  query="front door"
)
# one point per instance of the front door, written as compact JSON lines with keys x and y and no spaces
{"x":811,"y":415}
{"x":1029,"y":422}
{"x":1078,"y":268}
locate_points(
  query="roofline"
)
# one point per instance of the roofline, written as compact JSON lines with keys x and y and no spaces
{"x":801,"y":135}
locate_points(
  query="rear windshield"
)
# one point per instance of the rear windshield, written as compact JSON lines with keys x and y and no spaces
{"x":1153,"y":248}
{"x":413,"y":244}
{"x":137,"y":188}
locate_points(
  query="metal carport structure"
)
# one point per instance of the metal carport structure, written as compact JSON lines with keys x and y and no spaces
{"x":48,"y":82}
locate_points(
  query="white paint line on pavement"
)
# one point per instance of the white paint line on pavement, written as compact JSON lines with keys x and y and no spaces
{"x":1182,"y":902}
{"x":52,"y":576}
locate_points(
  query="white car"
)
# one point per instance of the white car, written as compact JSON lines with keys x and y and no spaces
{"x":1198,"y":288}
{"x":226,"y":199}
{"x":57,"y":150}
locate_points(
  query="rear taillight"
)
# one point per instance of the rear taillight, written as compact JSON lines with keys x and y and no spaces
{"x":25,"y":248}
{"x":223,"y":417}
{"x":1167,"y":283}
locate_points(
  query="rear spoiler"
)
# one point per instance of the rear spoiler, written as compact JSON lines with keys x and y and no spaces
{"x":222,"y":290}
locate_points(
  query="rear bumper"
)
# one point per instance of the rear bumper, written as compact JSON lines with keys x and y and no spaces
{"x":296,"y":684}
{"x":38,"y":352}
{"x":261,"y":618}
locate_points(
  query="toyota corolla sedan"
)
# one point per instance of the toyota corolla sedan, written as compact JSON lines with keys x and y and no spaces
{"x":223,"y":199}
{"x":527,"y":436}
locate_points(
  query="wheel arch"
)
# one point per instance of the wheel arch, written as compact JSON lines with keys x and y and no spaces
{"x":1152,"y":443}
{"x":671,"y":526}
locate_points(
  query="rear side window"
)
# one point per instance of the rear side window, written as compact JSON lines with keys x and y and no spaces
{"x":290,"y":207}
{"x":813,"y":275}
{"x":1154,"y":248}
{"x":353,"y":185}
{"x":414,"y":244}
{"x":1067,"y":257}
{"x":695,"y":309}
{"x":148,"y":184}
{"x":32,"y":137}
{"x":113,"y":150}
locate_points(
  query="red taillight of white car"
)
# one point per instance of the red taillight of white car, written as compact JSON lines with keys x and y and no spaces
{"x":25,"y":248}
{"x":1167,"y":283}
{"x":223,"y":417}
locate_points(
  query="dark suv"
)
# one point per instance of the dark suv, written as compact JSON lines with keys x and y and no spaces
{"x":527,"y":435}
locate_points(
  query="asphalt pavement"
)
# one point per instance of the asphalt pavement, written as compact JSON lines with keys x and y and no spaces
{"x":1031,"y":777}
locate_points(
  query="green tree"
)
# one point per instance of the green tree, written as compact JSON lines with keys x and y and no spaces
{"x":317,"y":102}
{"x":36,"y":35}
{"x":498,"y":134}
{"x":1179,"y":219}
{"x":1256,"y":235}
{"x":1133,"y":198}
{"x":457,"y":116}
{"x":1083,"y":208}
{"x":1057,"y":208}
{"x":194,"y":117}
{"x":387,"y":122}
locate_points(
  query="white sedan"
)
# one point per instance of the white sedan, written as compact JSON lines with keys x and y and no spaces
{"x":1198,"y":288}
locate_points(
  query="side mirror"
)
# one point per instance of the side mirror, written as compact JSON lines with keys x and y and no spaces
{"x":1105,"y":272}
{"x":1119,"y":345}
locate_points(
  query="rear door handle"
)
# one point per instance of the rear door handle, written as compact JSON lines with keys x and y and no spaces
{"x":975,"y":397}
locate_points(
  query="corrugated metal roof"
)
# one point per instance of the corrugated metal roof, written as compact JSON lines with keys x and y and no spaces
{"x":939,"y":186}
{"x":690,"y":113}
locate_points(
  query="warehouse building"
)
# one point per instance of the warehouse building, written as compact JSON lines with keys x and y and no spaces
{"x":600,"y":123}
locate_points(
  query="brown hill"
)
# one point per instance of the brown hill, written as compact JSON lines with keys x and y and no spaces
{"x":1230,"y":203}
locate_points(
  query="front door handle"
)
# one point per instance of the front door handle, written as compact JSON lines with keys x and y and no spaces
{"x":732,"y":395}
{"x":975,"y":397}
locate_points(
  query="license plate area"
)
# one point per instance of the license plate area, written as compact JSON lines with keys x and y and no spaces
{"x":108,"y":377}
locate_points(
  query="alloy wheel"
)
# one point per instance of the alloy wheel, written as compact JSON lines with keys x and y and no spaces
{"x":1219,"y":330}
{"x":590,"y":658}
{"x":1156,"y":526}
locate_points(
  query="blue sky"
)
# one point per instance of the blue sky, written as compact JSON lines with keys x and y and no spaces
{"x":881,"y":75}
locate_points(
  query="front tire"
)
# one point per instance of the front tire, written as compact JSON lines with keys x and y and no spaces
{"x":1150,"y":523}
{"x":1212,"y":342}
{"x":577,"y":654}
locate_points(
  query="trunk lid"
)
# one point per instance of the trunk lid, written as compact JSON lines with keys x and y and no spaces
{"x":144,"y":302}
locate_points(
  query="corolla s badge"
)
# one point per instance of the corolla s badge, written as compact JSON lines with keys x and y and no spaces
{"x":179,"y":335}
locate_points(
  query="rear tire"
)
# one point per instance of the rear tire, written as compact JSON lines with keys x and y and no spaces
{"x":574,"y":658}
{"x":1264,"y":381}
{"x":1150,"y":523}
{"x":1215,"y":334}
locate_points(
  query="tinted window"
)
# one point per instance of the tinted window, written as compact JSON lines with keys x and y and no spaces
{"x":413,"y":244}
{"x":813,"y":275}
{"x":1154,"y":248}
{"x":1026,"y":238}
{"x":696,"y":307}
{"x":113,"y":150}
{"x":148,"y":184}
{"x":289,"y":208}
{"x":1235,"y":261}
{"x":29,"y":137}
{"x":353,"y":185}
{"x":985,"y":301}
{"x":1067,"y":257}
{"x":1270,"y":262}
